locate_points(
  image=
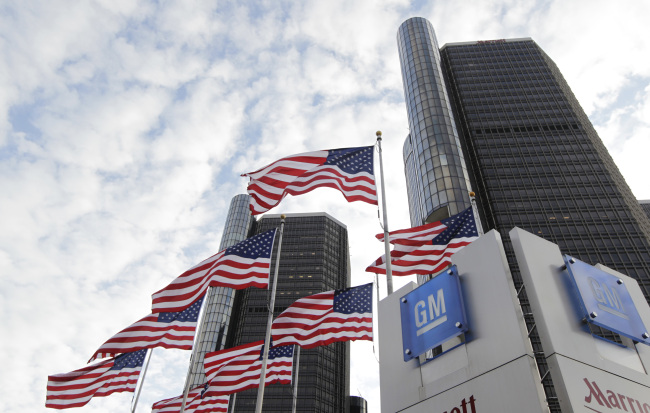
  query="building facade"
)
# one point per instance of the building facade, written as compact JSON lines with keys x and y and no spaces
{"x":536,"y":161}
{"x":532,"y":156}
{"x":314,"y":258}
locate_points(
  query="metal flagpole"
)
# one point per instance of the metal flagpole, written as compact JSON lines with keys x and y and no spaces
{"x":295,"y":378}
{"x":389,"y":267}
{"x":267,"y":339}
{"x":141,"y":379}
{"x":195,"y":347}
{"x":233,"y":400}
{"x":479,"y":227}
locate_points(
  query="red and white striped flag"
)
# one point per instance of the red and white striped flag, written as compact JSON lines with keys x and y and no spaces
{"x":76,"y":388}
{"x":245,"y":264}
{"x":167,"y":330}
{"x":350,"y":170}
{"x":413,"y":254}
{"x":239,"y":368}
{"x":199,"y":399}
{"x":417,"y":236}
{"x":324,"y":318}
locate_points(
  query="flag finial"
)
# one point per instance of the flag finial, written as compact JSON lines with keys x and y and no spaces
{"x":378,"y":134}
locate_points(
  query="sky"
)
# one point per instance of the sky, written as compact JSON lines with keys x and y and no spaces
{"x":125,"y":126}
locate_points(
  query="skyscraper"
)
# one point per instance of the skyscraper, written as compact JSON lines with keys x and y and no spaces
{"x":532,"y":155}
{"x":219,"y":302}
{"x":436,"y":175}
{"x":314,"y":258}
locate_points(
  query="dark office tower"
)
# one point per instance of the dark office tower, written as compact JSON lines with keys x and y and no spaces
{"x":216,"y":317}
{"x":314,"y":258}
{"x":536,"y":162}
{"x":436,"y":177}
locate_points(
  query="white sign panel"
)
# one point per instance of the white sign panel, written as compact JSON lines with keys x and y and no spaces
{"x":515,"y":392}
{"x":493,"y":370}
{"x":588,"y":389}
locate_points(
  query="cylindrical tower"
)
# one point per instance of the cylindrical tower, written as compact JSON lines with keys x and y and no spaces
{"x":358,"y":404}
{"x":437,"y":180}
{"x":219,"y":302}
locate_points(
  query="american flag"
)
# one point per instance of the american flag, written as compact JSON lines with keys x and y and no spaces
{"x":245,"y":264}
{"x":413,"y":256}
{"x":417,"y":236}
{"x":199,"y":399}
{"x":324,"y":318}
{"x":76,"y":388}
{"x":167,"y":330}
{"x":350,"y":170}
{"x":239,"y":368}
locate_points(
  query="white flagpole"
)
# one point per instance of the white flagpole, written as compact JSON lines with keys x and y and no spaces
{"x":195,"y":347}
{"x":295,"y":378}
{"x":233,"y":400}
{"x":389,"y":267}
{"x":141,"y":379}
{"x":267,"y":339}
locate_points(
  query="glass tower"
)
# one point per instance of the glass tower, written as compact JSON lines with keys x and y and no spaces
{"x":314,"y":258}
{"x":437,"y":181}
{"x":219,"y":302}
{"x":358,"y":405}
{"x":536,"y":162}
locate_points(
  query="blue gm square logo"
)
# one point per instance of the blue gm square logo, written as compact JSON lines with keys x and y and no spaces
{"x":432,"y":314}
{"x":605,"y":300}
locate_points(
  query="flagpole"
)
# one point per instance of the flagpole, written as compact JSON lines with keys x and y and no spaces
{"x":295,"y":378}
{"x":233,"y":399}
{"x":195,"y":346}
{"x":267,"y":339}
{"x":477,"y":220}
{"x":389,"y":267}
{"x":144,"y":373}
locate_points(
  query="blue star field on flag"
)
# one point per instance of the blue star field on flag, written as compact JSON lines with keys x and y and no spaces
{"x":459,"y":225}
{"x":258,"y":246}
{"x":352,"y":160}
{"x":353,"y":300}
{"x":191,"y":313}
{"x":280,"y":351}
{"x":129,"y":360}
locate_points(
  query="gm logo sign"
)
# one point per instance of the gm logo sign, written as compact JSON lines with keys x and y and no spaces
{"x":605,"y":300}
{"x":607,"y":297}
{"x":432,"y":314}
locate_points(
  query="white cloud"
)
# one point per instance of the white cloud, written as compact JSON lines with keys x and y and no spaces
{"x":625,"y":133}
{"x":575,"y":36}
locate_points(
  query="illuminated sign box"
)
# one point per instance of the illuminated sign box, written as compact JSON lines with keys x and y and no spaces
{"x":605,"y":301}
{"x":432,"y":314}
